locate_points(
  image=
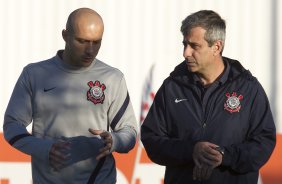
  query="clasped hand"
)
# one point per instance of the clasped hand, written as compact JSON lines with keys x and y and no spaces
{"x":108,"y":142}
{"x":206,"y":158}
{"x":59,"y":154}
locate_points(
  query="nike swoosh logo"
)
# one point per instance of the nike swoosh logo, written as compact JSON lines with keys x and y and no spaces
{"x":49,"y":89}
{"x":180,"y":100}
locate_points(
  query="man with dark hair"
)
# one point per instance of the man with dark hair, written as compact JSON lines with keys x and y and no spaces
{"x":210,"y":121}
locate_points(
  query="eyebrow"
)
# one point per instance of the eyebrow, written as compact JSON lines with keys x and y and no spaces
{"x":84,"y":39}
{"x":190,"y":43}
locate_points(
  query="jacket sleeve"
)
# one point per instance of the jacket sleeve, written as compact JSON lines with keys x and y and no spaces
{"x":252,"y":154}
{"x":122,"y":120}
{"x":159,"y":145}
{"x":18,"y":116}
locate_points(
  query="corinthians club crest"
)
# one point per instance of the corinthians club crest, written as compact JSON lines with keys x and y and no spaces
{"x":232,"y":103}
{"x":96,"y":92}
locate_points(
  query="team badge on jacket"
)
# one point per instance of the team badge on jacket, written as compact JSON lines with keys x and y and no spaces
{"x":96,"y":92}
{"x":232,"y":103}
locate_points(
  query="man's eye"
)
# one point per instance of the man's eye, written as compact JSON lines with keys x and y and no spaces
{"x":81,"y":41}
{"x":97,"y":42}
{"x":194,"y":46}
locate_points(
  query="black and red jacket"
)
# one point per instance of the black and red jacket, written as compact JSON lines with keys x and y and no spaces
{"x":236,"y":116}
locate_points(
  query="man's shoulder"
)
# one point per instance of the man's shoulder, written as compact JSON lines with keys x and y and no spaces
{"x":238,"y":71}
{"x":39,"y":64}
{"x":100,"y":65}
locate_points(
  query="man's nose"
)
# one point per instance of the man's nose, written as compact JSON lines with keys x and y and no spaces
{"x":187,"y":52}
{"x":90,"y":47}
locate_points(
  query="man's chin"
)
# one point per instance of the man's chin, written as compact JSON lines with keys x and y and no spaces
{"x":87,"y":62}
{"x":191,"y":69}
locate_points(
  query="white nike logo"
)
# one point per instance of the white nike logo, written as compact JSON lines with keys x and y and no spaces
{"x":180,"y":100}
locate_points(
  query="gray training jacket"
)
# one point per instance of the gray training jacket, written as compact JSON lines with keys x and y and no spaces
{"x":63,"y":102}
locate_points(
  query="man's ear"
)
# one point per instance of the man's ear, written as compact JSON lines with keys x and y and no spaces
{"x":217,"y":47}
{"x":64,"y":34}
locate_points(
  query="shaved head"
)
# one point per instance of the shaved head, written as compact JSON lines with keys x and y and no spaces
{"x":83,"y":37}
{"x":83,"y":16}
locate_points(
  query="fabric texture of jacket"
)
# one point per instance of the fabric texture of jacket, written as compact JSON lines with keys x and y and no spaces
{"x":62,"y":103}
{"x":236,"y":116}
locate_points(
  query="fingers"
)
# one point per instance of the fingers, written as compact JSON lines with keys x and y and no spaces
{"x":95,"y":132}
{"x":209,"y":159}
{"x":202,"y":173}
{"x":196,"y":173}
{"x":208,"y":173}
{"x":59,"y":155}
{"x":204,"y":153}
{"x":103,"y":134}
{"x":108,"y":141}
{"x":212,"y":157}
{"x":197,"y":162}
{"x":103,"y":152}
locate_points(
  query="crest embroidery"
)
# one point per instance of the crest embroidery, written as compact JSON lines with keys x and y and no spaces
{"x":96,"y":92}
{"x":232,"y":103}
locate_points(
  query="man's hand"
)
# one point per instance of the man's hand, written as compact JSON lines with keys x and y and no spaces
{"x":59,"y":155}
{"x":108,"y":142}
{"x":202,"y":173}
{"x":206,"y":158}
{"x":205,"y":153}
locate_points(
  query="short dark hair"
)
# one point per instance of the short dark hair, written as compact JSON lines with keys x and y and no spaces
{"x":208,"y":20}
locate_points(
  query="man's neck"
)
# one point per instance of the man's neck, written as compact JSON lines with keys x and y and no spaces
{"x":212,"y":74}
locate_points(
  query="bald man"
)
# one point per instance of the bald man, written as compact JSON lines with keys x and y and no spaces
{"x":79,"y":108}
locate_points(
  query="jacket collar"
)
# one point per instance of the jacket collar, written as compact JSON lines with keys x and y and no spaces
{"x":233,"y":70}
